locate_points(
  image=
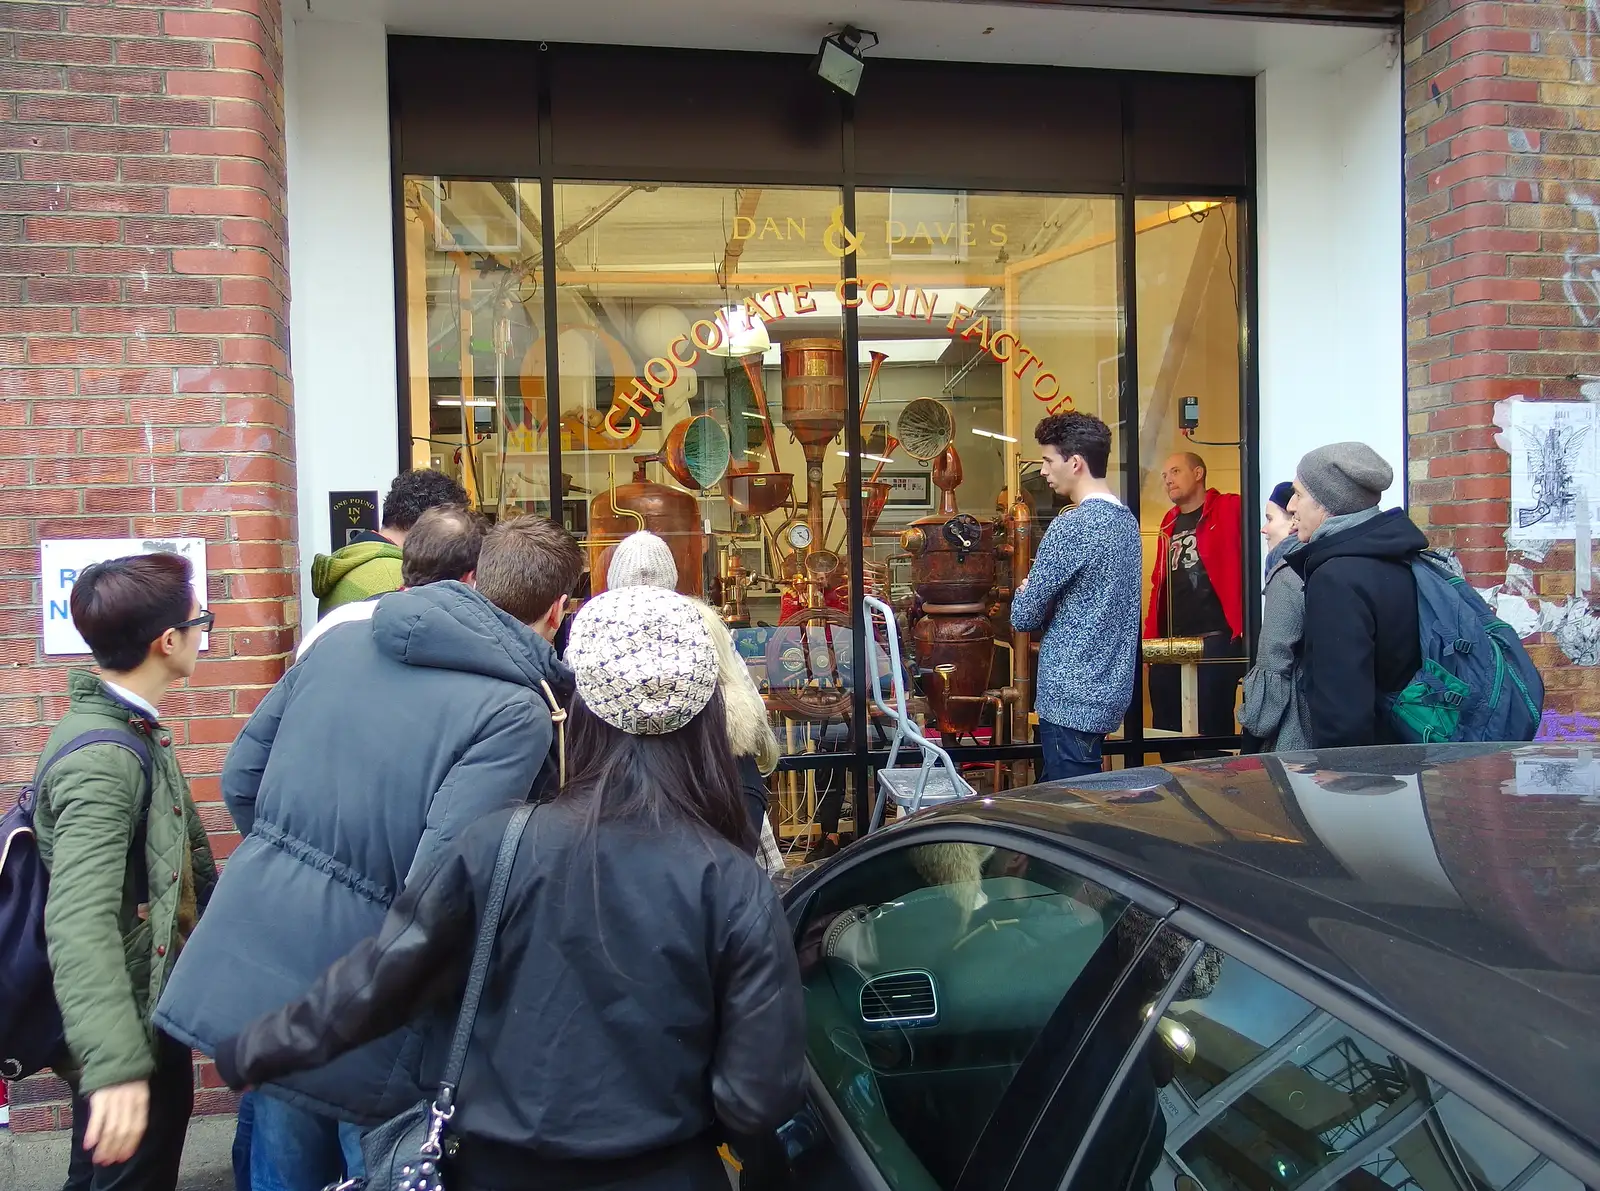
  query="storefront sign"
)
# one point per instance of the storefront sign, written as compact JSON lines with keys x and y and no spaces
{"x":897,"y":233}
{"x":350,"y":514}
{"x":876,"y":295}
{"x":62,"y":561}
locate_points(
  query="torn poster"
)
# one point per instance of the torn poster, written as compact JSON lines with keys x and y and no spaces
{"x":1555,"y":478}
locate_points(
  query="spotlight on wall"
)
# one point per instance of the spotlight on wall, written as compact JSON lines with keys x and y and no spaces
{"x":838,"y":62}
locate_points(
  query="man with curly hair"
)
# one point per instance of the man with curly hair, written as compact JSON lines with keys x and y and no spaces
{"x":369,"y":564}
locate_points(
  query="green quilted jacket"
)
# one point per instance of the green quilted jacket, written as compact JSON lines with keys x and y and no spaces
{"x":358,"y":572}
{"x":109,"y":954}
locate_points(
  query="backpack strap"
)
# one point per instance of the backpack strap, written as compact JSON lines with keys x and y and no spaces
{"x":136,"y":745}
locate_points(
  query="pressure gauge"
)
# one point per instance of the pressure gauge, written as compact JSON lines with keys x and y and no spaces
{"x":799,"y":535}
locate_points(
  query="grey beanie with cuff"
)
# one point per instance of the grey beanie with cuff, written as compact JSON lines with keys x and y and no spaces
{"x":1344,"y":477}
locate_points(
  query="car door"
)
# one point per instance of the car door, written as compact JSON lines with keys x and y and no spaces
{"x":1273,"y":1088}
{"x":952,"y":974}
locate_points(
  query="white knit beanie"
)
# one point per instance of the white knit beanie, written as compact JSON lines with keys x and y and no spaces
{"x":643,"y":659}
{"x":642,"y":560}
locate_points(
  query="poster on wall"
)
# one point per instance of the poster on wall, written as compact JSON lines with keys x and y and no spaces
{"x":1555,"y":469}
{"x":61,"y":561}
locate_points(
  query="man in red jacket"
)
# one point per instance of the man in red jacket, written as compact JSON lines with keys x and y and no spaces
{"x":1197,"y":590}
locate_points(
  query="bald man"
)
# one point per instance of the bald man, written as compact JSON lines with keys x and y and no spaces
{"x":1197,"y":590}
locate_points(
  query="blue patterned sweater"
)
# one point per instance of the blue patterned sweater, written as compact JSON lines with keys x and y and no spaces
{"x":1083,"y":592}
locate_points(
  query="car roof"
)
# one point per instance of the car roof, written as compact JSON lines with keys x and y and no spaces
{"x":1455,"y":886}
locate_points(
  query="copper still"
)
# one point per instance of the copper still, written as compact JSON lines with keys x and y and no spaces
{"x":669,"y":513}
{"x":953,"y":574}
{"x":815,"y":401}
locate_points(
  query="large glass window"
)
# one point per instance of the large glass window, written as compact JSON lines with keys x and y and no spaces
{"x":699,"y":346}
{"x":1190,"y":463}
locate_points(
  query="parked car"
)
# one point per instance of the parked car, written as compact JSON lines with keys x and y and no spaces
{"x":1354,"y":970}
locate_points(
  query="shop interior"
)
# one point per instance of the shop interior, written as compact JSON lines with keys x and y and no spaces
{"x":700,"y":348}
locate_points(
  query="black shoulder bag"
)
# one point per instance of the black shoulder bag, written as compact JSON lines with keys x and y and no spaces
{"x":403,"y":1154}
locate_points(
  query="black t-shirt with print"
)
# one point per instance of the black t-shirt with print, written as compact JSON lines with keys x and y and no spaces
{"x":1193,"y":609}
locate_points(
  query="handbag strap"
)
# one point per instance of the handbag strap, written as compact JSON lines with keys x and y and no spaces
{"x":482,"y":950}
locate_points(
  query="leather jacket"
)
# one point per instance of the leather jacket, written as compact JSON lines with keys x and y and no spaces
{"x":644,"y":990}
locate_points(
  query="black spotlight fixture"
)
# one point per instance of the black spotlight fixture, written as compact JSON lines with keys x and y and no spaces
{"x":838,"y":62}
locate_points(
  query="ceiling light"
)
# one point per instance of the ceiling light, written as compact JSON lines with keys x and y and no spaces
{"x":456,"y":403}
{"x":838,"y":62}
{"x":978,"y":430}
{"x":743,"y":334}
{"x":864,"y":455}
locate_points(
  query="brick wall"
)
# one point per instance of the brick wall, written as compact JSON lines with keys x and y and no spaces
{"x":1503,"y":282}
{"x":144,"y":382}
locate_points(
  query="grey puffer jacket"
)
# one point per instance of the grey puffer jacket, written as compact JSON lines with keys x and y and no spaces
{"x":366,"y":761}
{"x":1274,"y":708}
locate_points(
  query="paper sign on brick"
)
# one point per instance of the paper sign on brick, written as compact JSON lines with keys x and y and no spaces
{"x":62,"y":561}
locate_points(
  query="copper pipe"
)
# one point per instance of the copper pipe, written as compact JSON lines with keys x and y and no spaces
{"x":889,"y":445}
{"x":872,"y":379}
{"x":758,"y":389}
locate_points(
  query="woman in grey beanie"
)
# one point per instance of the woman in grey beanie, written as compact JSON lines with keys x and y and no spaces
{"x":1274,"y":711}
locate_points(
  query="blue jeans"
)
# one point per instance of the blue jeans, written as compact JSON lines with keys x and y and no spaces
{"x":242,"y":1134}
{"x":1068,"y":752}
{"x":295,"y":1150}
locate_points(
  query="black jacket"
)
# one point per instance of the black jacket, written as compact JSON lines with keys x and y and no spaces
{"x":1362,"y":638}
{"x":369,"y":757}
{"x":644,"y":991}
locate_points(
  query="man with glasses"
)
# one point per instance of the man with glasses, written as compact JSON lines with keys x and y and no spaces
{"x":130,"y":871}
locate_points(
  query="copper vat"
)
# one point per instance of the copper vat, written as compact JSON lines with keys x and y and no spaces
{"x":670,"y":514}
{"x":964,"y":644}
{"x":758,"y":493}
{"x":942,"y":571}
{"x":814,"y":396}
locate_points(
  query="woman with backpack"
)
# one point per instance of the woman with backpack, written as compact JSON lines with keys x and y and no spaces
{"x":642,"y":1002}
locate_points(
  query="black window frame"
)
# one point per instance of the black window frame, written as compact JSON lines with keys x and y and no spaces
{"x":1141,"y":135}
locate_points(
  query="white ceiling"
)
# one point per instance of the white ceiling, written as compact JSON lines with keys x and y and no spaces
{"x":927,"y":29}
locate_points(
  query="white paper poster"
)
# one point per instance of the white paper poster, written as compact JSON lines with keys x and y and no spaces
{"x":62,"y":560}
{"x":1555,"y":477}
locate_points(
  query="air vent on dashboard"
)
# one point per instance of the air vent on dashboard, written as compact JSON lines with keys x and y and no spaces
{"x":899,"y":999}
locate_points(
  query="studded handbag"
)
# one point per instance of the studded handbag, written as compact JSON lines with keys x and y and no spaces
{"x":406,"y":1153}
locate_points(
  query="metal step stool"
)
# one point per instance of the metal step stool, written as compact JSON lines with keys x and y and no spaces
{"x":911,"y":788}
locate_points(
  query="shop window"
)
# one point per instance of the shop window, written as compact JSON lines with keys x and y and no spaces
{"x":1191,"y":465}
{"x":472,"y":295}
{"x":980,"y":315}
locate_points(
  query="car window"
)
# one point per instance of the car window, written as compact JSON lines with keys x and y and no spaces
{"x":930,"y":973}
{"x":1270,"y":1093}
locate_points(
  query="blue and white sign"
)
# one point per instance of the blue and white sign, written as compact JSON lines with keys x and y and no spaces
{"x":61,"y":562}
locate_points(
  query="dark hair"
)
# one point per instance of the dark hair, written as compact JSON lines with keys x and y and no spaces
{"x":1077,"y":434}
{"x":413,"y":493}
{"x":443,"y":544}
{"x":687,"y":776}
{"x":526,"y":565}
{"x":122,"y":606}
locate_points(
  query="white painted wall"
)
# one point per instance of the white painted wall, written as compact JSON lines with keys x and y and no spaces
{"x":1332,"y":262}
{"x":341,"y":270}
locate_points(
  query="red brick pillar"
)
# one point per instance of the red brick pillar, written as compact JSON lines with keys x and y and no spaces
{"x":1503,"y":283}
{"x":144,"y":381}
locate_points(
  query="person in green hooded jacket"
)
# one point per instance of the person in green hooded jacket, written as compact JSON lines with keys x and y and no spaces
{"x":369,"y":565}
{"x":118,"y":913}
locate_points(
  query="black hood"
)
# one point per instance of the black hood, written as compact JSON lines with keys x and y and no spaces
{"x":1390,"y":536}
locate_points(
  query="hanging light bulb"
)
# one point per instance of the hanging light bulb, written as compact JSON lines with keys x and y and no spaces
{"x":743,"y":333}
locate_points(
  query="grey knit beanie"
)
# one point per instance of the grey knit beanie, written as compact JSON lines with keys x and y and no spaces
{"x":643,"y":659}
{"x":1345,"y":477}
{"x":642,"y":560}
